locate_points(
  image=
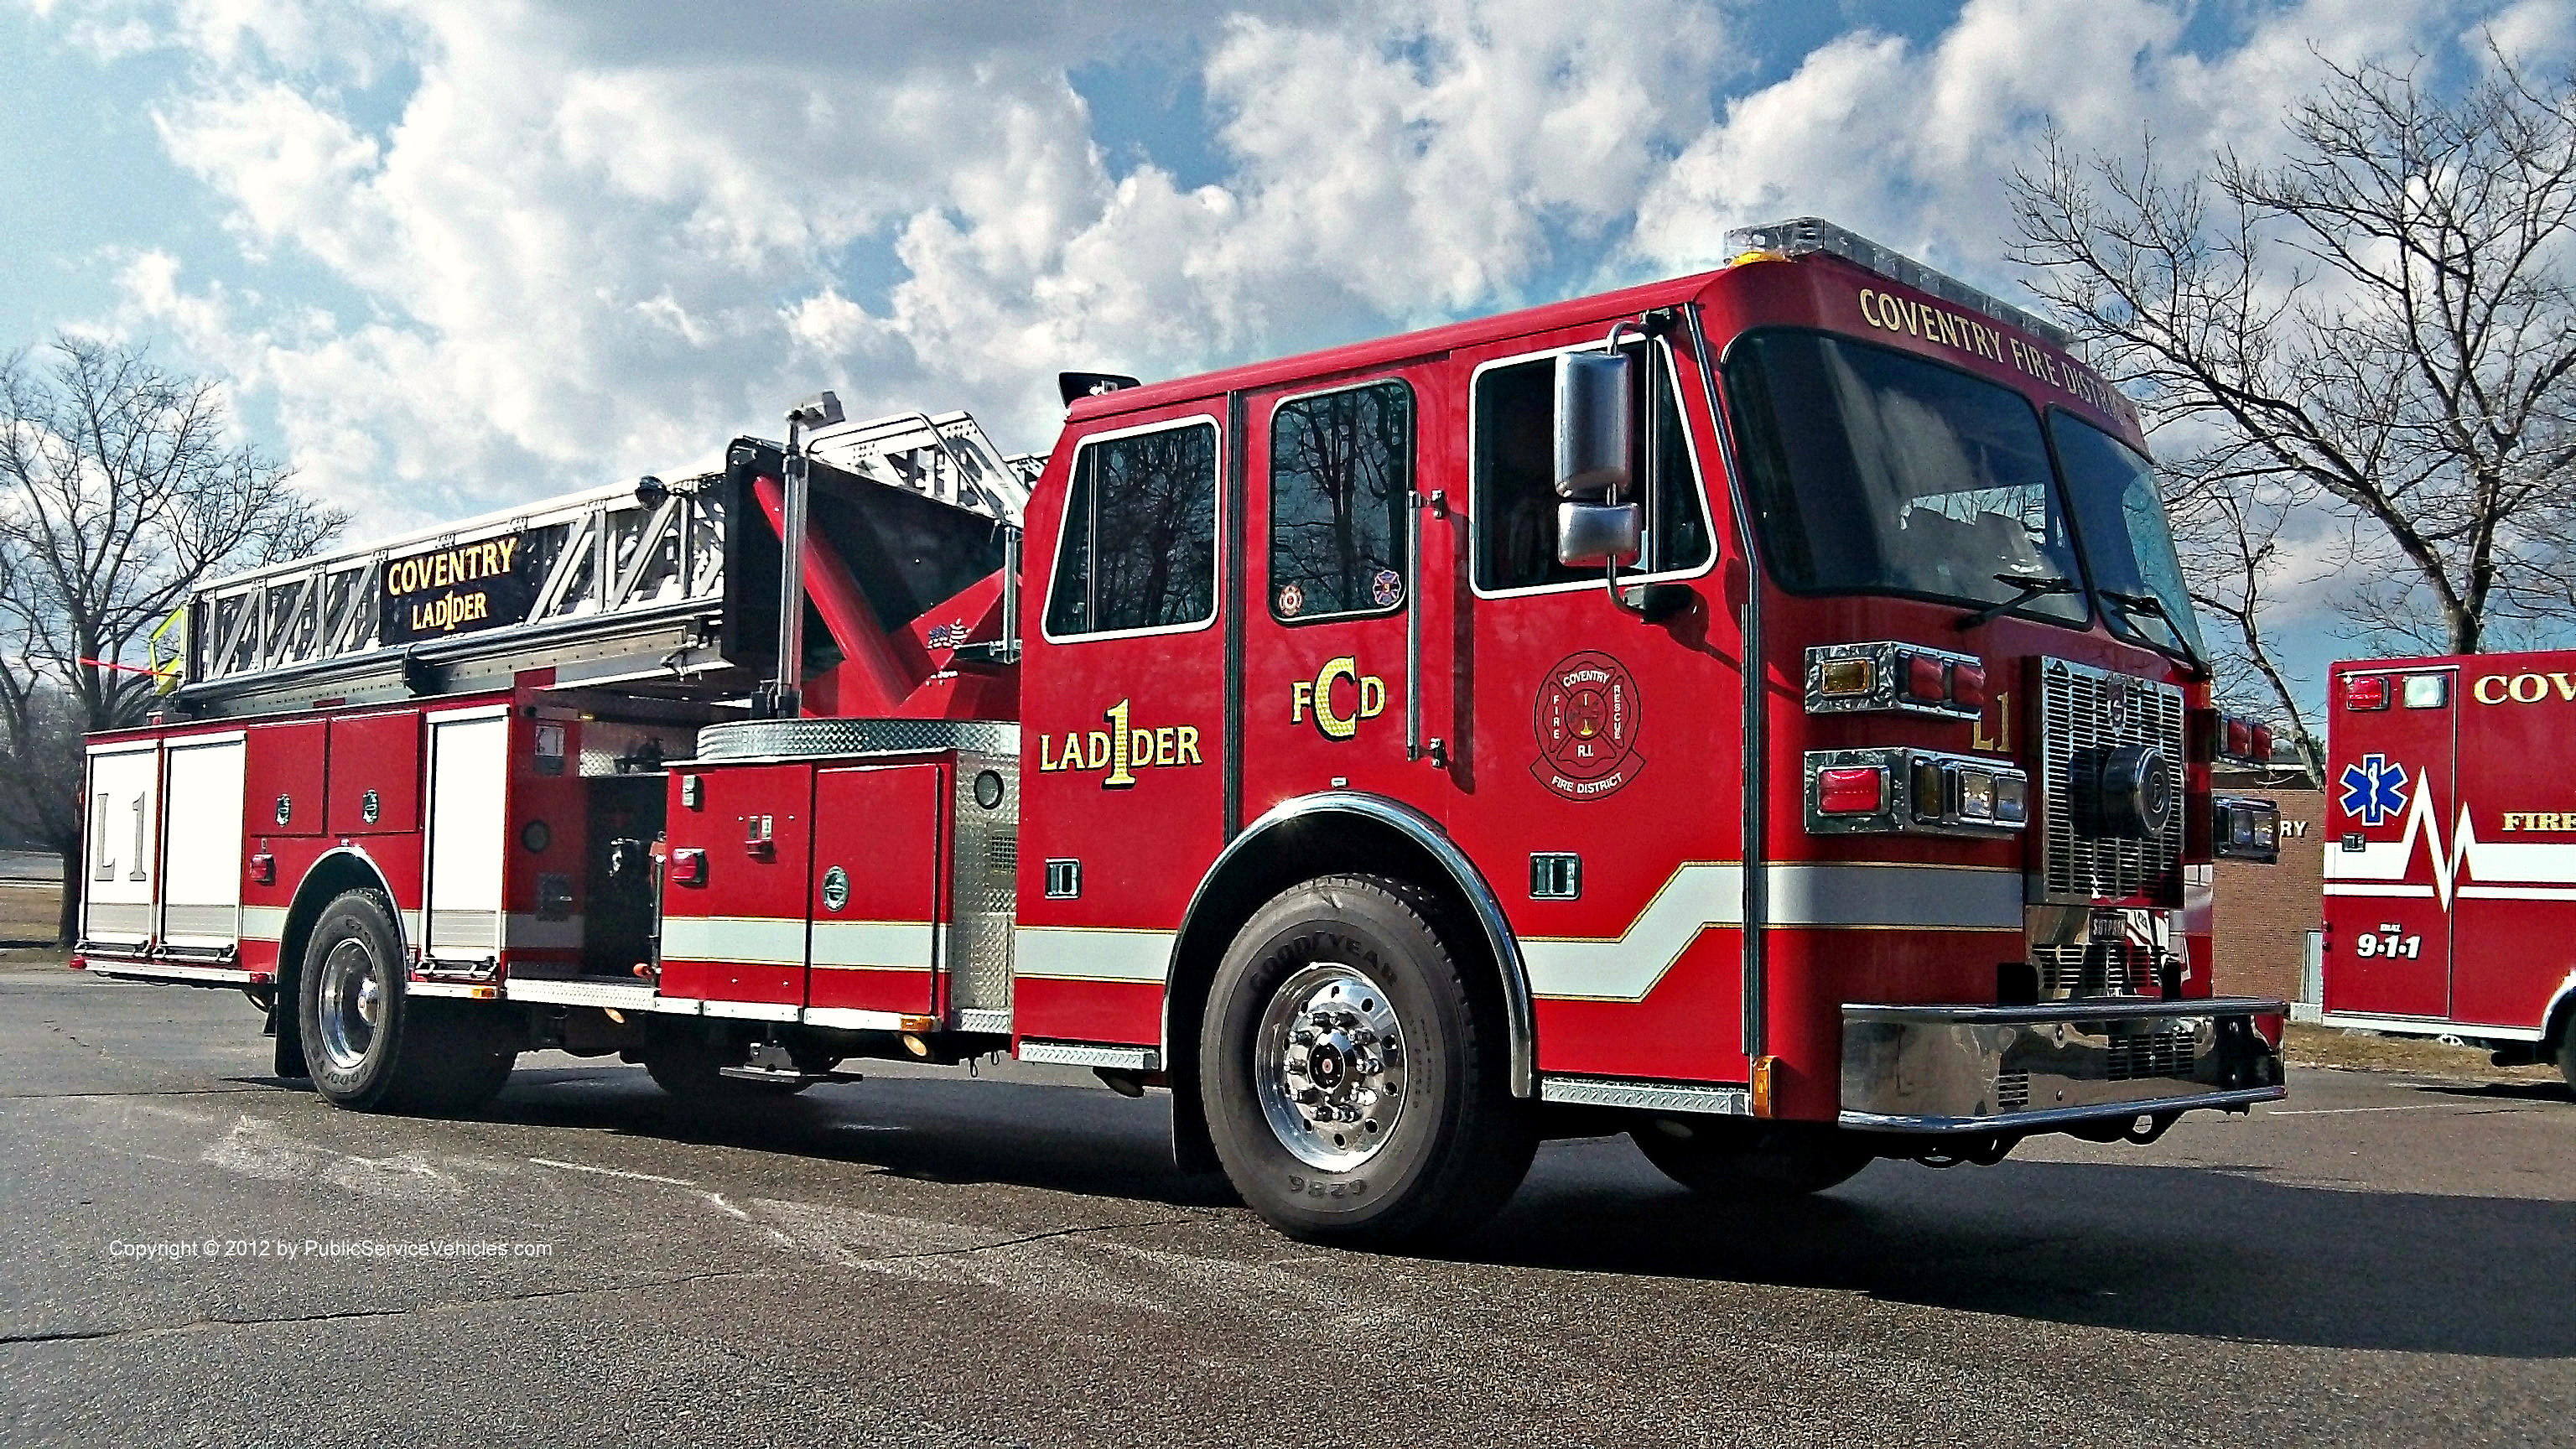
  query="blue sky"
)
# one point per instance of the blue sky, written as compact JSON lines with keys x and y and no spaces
{"x":449,"y":257}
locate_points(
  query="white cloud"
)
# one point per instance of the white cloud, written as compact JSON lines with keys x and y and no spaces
{"x":574,"y":242}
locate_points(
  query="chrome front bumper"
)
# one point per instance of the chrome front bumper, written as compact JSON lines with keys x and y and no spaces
{"x":1997,"y":1069}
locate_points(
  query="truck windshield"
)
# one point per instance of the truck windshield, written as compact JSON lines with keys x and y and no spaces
{"x":1876,"y":472}
{"x":2120,"y":515}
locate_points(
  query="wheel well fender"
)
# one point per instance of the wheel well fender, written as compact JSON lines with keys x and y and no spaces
{"x":1331,"y":833}
{"x":339,"y":871}
{"x":2554,"y":1035}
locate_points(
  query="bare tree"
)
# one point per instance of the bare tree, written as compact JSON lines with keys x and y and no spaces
{"x":119,"y":489}
{"x":2383,"y":323}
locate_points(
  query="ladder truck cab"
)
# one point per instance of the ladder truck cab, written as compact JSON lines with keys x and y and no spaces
{"x":1759,"y":712}
{"x":2450,"y":872}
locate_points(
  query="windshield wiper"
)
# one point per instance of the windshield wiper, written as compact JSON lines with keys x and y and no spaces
{"x":2031,"y":586}
{"x":2150,"y":604}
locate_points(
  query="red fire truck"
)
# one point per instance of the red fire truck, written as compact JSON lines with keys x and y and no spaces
{"x":1758,"y":711}
{"x":2454,"y":848}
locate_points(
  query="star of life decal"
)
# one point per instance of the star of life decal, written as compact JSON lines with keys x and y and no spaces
{"x":2374,"y":791}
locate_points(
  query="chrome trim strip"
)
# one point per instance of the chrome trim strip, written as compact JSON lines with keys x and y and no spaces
{"x":1752,"y":759}
{"x":2061,"y":1116}
{"x":1425,"y":832}
{"x":582,"y":993}
{"x":751,"y":1010}
{"x":1090,"y":1054}
{"x":1648,"y":1096}
{"x":2122,"y":1008}
{"x":461,"y":990}
{"x":847,"y":1018}
{"x":159,"y":971}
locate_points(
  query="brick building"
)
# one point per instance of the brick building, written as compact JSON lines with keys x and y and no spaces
{"x":2265,"y":912}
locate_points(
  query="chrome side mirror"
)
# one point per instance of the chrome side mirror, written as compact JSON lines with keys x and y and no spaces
{"x":1592,"y":442}
{"x":1590,"y":535}
{"x":1592,"y":425}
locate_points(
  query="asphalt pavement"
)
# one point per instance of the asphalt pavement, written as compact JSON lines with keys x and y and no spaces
{"x":199,"y":1254}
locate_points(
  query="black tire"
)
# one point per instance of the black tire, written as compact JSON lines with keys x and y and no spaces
{"x":1735,"y":1159}
{"x":689,"y":1064}
{"x":2567,"y":1054}
{"x":1455,"y":1143}
{"x":373,"y":1047}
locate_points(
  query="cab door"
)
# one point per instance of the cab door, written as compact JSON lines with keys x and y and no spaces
{"x":1603,"y":738}
{"x":1336,"y":624}
{"x":2390,"y":805}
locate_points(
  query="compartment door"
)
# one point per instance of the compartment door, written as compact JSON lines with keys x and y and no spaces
{"x":878,"y":909}
{"x":2391,"y":805}
{"x":469,"y":787}
{"x":124,"y":825}
{"x":201,"y":873}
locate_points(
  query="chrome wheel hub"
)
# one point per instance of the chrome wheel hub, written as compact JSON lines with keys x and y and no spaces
{"x":352,"y":1000}
{"x":1330,"y":1066}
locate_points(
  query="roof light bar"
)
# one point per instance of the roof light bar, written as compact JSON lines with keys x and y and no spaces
{"x":1801,"y":235}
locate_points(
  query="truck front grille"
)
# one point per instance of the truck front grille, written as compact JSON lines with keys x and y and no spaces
{"x":2166,"y":1054}
{"x":2083,"y":713}
{"x":2095,"y":968}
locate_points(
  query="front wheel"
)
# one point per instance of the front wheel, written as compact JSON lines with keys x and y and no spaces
{"x":1354,"y":1079}
{"x":1744,"y":1159}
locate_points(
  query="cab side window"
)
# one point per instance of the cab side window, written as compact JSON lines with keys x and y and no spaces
{"x":1515,"y":484}
{"x":1341,"y":467}
{"x":1139,"y":543}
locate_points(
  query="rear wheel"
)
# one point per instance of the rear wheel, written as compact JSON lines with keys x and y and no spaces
{"x":369,"y":1043}
{"x":1743,"y":1159}
{"x":2567,"y":1053}
{"x":1354,"y":1080}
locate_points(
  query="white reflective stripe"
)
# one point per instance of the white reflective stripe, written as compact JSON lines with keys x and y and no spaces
{"x":884,"y":945}
{"x":2464,"y":858}
{"x":2400,"y":891}
{"x":767,"y":940}
{"x":1073,"y":953}
{"x":1898,"y":897}
{"x":263,"y":923}
{"x":1838,"y":896}
{"x":1699,"y":895}
{"x":2516,"y":893}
